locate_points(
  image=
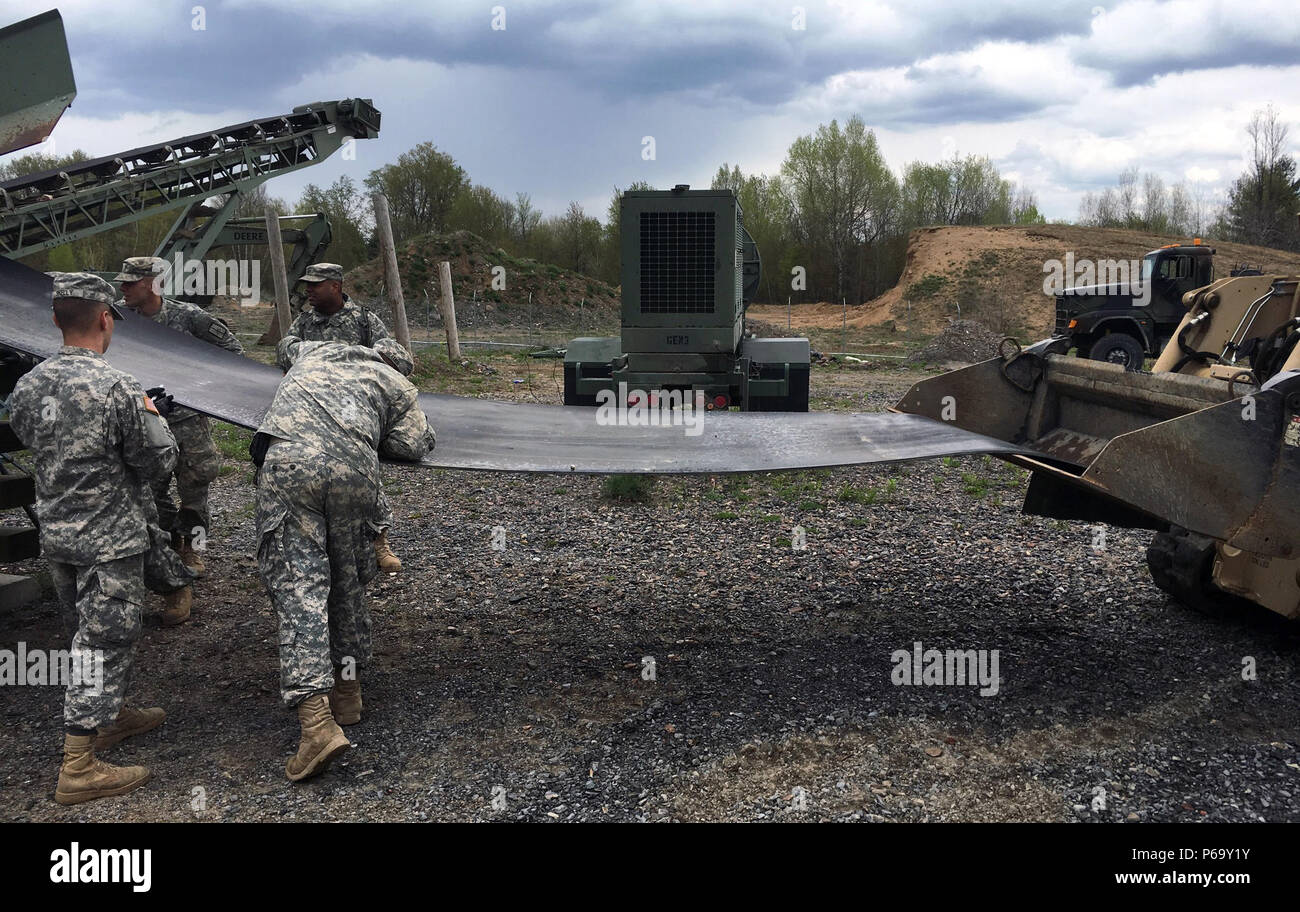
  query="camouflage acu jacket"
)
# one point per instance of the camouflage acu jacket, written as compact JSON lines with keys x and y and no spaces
{"x":346,"y":402}
{"x":95,"y":447}
{"x":352,"y":325}
{"x":192,"y":319}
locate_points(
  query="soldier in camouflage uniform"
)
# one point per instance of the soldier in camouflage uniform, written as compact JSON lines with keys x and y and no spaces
{"x":330,"y":316}
{"x":97,"y":440}
{"x":141,"y":281}
{"x":318,"y":510}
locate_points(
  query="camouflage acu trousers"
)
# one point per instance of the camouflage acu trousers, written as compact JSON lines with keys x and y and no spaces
{"x":316,"y":527}
{"x":197,"y":465}
{"x":102,"y":604}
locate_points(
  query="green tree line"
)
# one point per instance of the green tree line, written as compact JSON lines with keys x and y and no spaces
{"x":835,"y":209}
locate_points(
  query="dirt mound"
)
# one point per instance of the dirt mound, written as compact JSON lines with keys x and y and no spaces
{"x":967,"y":341}
{"x":559,"y":297}
{"x":995,"y":274}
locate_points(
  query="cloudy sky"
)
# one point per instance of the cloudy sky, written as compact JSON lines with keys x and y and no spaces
{"x":1061,"y":94}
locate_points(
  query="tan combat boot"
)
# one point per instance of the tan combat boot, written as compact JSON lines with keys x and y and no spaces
{"x":191,"y":558}
{"x":322,"y":739}
{"x":130,"y":721}
{"x":84,"y":778}
{"x":384,"y":556}
{"x":345,"y":699}
{"x":178,"y":606}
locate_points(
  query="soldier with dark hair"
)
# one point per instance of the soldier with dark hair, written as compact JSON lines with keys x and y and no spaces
{"x":199,"y":462}
{"x":330,"y":315}
{"x":318,"y":513}
{"x":97,"y":440}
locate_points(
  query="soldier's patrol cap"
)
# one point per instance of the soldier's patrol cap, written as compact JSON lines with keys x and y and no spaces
{"x":323,"y":272}
{"x":141,"y":267}
{"x":87,"y":287}
{"x":397,"y":357}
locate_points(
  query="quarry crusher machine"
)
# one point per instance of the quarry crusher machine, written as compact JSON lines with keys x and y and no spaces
{"x":1205,"y":449}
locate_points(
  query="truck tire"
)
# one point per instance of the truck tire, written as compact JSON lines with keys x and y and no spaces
{"x":1119,"y":348}
{"x":1181,"y":564}
{"x":571,"y":396}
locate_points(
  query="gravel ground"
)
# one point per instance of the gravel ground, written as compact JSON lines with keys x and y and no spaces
{"x":509,"y":683}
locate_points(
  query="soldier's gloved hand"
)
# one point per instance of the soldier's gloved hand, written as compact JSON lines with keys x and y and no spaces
{"x":162,"y":401}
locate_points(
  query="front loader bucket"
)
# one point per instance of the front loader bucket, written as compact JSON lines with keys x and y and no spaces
{"x":1136,"y":449}
{"x":37,"y":75}
{"x":1230,"y":472}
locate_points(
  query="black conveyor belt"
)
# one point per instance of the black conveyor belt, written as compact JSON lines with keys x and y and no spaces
{"x":503,"y":436}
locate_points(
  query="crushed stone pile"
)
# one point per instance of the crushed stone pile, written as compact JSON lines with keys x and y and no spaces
{"x":968,"y":341}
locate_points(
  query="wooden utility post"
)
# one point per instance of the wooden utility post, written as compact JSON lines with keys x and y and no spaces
{"x":447,"y":307}
{"x":392,"y":278}
{"x":276,"y":247}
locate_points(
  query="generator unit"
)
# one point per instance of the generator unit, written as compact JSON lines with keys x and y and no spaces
{"x":689,"y":269}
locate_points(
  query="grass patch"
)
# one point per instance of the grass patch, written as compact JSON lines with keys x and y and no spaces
{"x":232,"y":442}
{"x":925,"y":287}
{"x":855,"y":495}
{"x":628,"y":488}
{"x":974,"y":485}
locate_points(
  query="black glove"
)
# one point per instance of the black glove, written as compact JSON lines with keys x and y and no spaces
{"x":258,"y":446}
{"x":162,"y":401}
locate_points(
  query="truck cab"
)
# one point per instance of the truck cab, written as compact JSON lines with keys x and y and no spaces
{"x":1126,"y":322}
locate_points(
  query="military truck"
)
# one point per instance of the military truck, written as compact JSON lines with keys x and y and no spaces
{"x":689,"y":270}
{"x":1111,"y":323}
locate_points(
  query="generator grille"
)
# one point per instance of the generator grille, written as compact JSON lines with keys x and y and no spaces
{"x":677,"y":262}
{"x":739,"y":282}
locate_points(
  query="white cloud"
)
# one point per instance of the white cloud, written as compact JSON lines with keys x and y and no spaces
{"x":1140,"y":38}
{"x":1061,"y":100}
